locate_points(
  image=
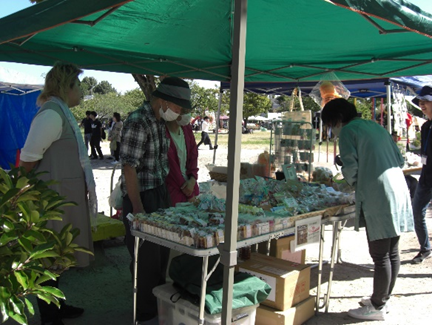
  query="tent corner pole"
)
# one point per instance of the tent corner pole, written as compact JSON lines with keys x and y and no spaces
{"x":217,"y":122}
{"x":389,"y":107}
{"x":229,"y":250}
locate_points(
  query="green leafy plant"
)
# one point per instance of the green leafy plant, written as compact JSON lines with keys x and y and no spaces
{"x":31,"y":253}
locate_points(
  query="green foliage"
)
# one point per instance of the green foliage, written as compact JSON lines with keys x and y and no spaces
{"x":104,"y":87}
{"x":31,"y":253}
{"x":203,"y":99}
{"x":285,"y":101}
{"x":105,"y":105}
{"x":87,"y":85}
{"x":254,"y":104}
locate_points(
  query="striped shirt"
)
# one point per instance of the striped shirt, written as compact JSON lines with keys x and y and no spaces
{"x":144,"y":146}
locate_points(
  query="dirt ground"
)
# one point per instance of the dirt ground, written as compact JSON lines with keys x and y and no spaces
{"x":105,"y":288}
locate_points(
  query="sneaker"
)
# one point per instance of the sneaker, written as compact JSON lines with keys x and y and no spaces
{"x":115,"y":162}
{"x":68,"y":311}
{"x":366,"y":301}
{"x":420,"y":257}
{"x":367,"y":313}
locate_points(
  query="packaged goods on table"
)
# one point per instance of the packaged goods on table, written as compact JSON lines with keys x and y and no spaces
{"x":201,"y":224}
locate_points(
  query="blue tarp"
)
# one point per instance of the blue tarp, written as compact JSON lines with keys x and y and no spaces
{"x":16,"y":113}
{"x":358,"y":88}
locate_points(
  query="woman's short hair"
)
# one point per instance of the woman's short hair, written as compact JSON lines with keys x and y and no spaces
{"x":58,"y":81}
{"x":117,"y":116}
{"x":338,"y":110}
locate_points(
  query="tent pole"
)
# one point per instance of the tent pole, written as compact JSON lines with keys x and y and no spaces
{"x":217,"y":123}
{"x":229,"y":249}
{"x":389,"y":108}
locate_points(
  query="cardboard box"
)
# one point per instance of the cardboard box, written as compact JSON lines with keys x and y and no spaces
{"x":290,"y":281}
{"x":296,"y":315}
{"x":281,"y":248}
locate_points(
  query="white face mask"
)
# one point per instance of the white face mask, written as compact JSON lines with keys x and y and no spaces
{"x":169,"y":115}
{"x":185,"y":120}
{"x":336,"y":130}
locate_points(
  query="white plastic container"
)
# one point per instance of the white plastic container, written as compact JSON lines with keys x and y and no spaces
{"x":182,"y":312}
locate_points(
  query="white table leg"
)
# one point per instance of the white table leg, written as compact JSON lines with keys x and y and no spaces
{"x":135,"y":276}
{"x":203,"y":289}
{"x":320,"y":264}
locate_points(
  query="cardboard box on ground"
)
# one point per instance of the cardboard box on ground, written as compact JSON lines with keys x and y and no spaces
{"x":281,"y":248}
{"x":296,"y":315}
{"x":290,"y":281}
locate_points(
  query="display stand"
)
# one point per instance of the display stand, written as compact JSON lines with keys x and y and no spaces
{"x":338,"y":220}
{"x":335,"y":216}
{"x":293,"y":143}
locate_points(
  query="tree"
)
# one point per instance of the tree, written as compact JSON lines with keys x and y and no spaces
{"x":106,"y":104}
{"x":31,"y":253}
{"x":254,"y":104}
{"x":203,"y":99}
{"x":87,"y":85}
{"x":104,"y":87}
{"x":285,"y":103}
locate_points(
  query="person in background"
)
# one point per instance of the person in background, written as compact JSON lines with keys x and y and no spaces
{"x":372,"y":165}
{"x":144,"y":158}
{"x":183,"y":161}
{"x":423,"y":193}
{"x":96,"y":137}
{"x":54,"y":145}
{"x":114,"y":137}
{"x":204,"y":133}
{"x":86,"y":123}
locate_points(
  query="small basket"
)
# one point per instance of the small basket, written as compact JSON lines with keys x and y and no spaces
{"x":218,"y":176}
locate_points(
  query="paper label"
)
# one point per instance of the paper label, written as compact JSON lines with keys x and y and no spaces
{"x":307,"y":232}
{"x":263,"y":228}
{"x":274,"y":270}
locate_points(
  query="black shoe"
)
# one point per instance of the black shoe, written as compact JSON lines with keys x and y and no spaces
{"x":68,"y":311}
{"x":421,"y":256}
{"x":215,"y":147}
{"x":101,"y":158}
{"x":93,"y":158}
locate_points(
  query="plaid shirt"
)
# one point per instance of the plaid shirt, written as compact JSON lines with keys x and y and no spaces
{"x":144,"y":145}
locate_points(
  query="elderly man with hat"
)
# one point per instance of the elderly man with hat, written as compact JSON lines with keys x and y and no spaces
{"x":423,"y":193}
{"x":143,"y":154}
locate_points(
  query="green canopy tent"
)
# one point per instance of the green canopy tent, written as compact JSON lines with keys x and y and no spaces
{"x":228,"y":41}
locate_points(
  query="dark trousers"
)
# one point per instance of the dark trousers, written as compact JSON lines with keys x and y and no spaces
{"x":95,"y":146}
{"x":87,"y":139}
{"x":205,"y":139}
{"x":117,"y":152}
{"x":152,"y":258}
{"x":420,"y":203}
{"x":49,"y":312}
{"x":385,"y":255}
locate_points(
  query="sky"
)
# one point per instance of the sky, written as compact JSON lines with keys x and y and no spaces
{"x":33,"y":74}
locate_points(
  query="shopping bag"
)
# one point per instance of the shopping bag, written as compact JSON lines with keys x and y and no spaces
{"x":116,"y":197}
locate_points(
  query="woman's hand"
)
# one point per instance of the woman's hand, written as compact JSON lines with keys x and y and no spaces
{"x":188,"y":187}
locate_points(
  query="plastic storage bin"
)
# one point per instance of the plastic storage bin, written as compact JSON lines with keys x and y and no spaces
{"x":182,"y":312}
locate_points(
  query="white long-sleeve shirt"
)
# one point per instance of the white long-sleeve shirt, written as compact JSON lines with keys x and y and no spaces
{"x":44,"y":130}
